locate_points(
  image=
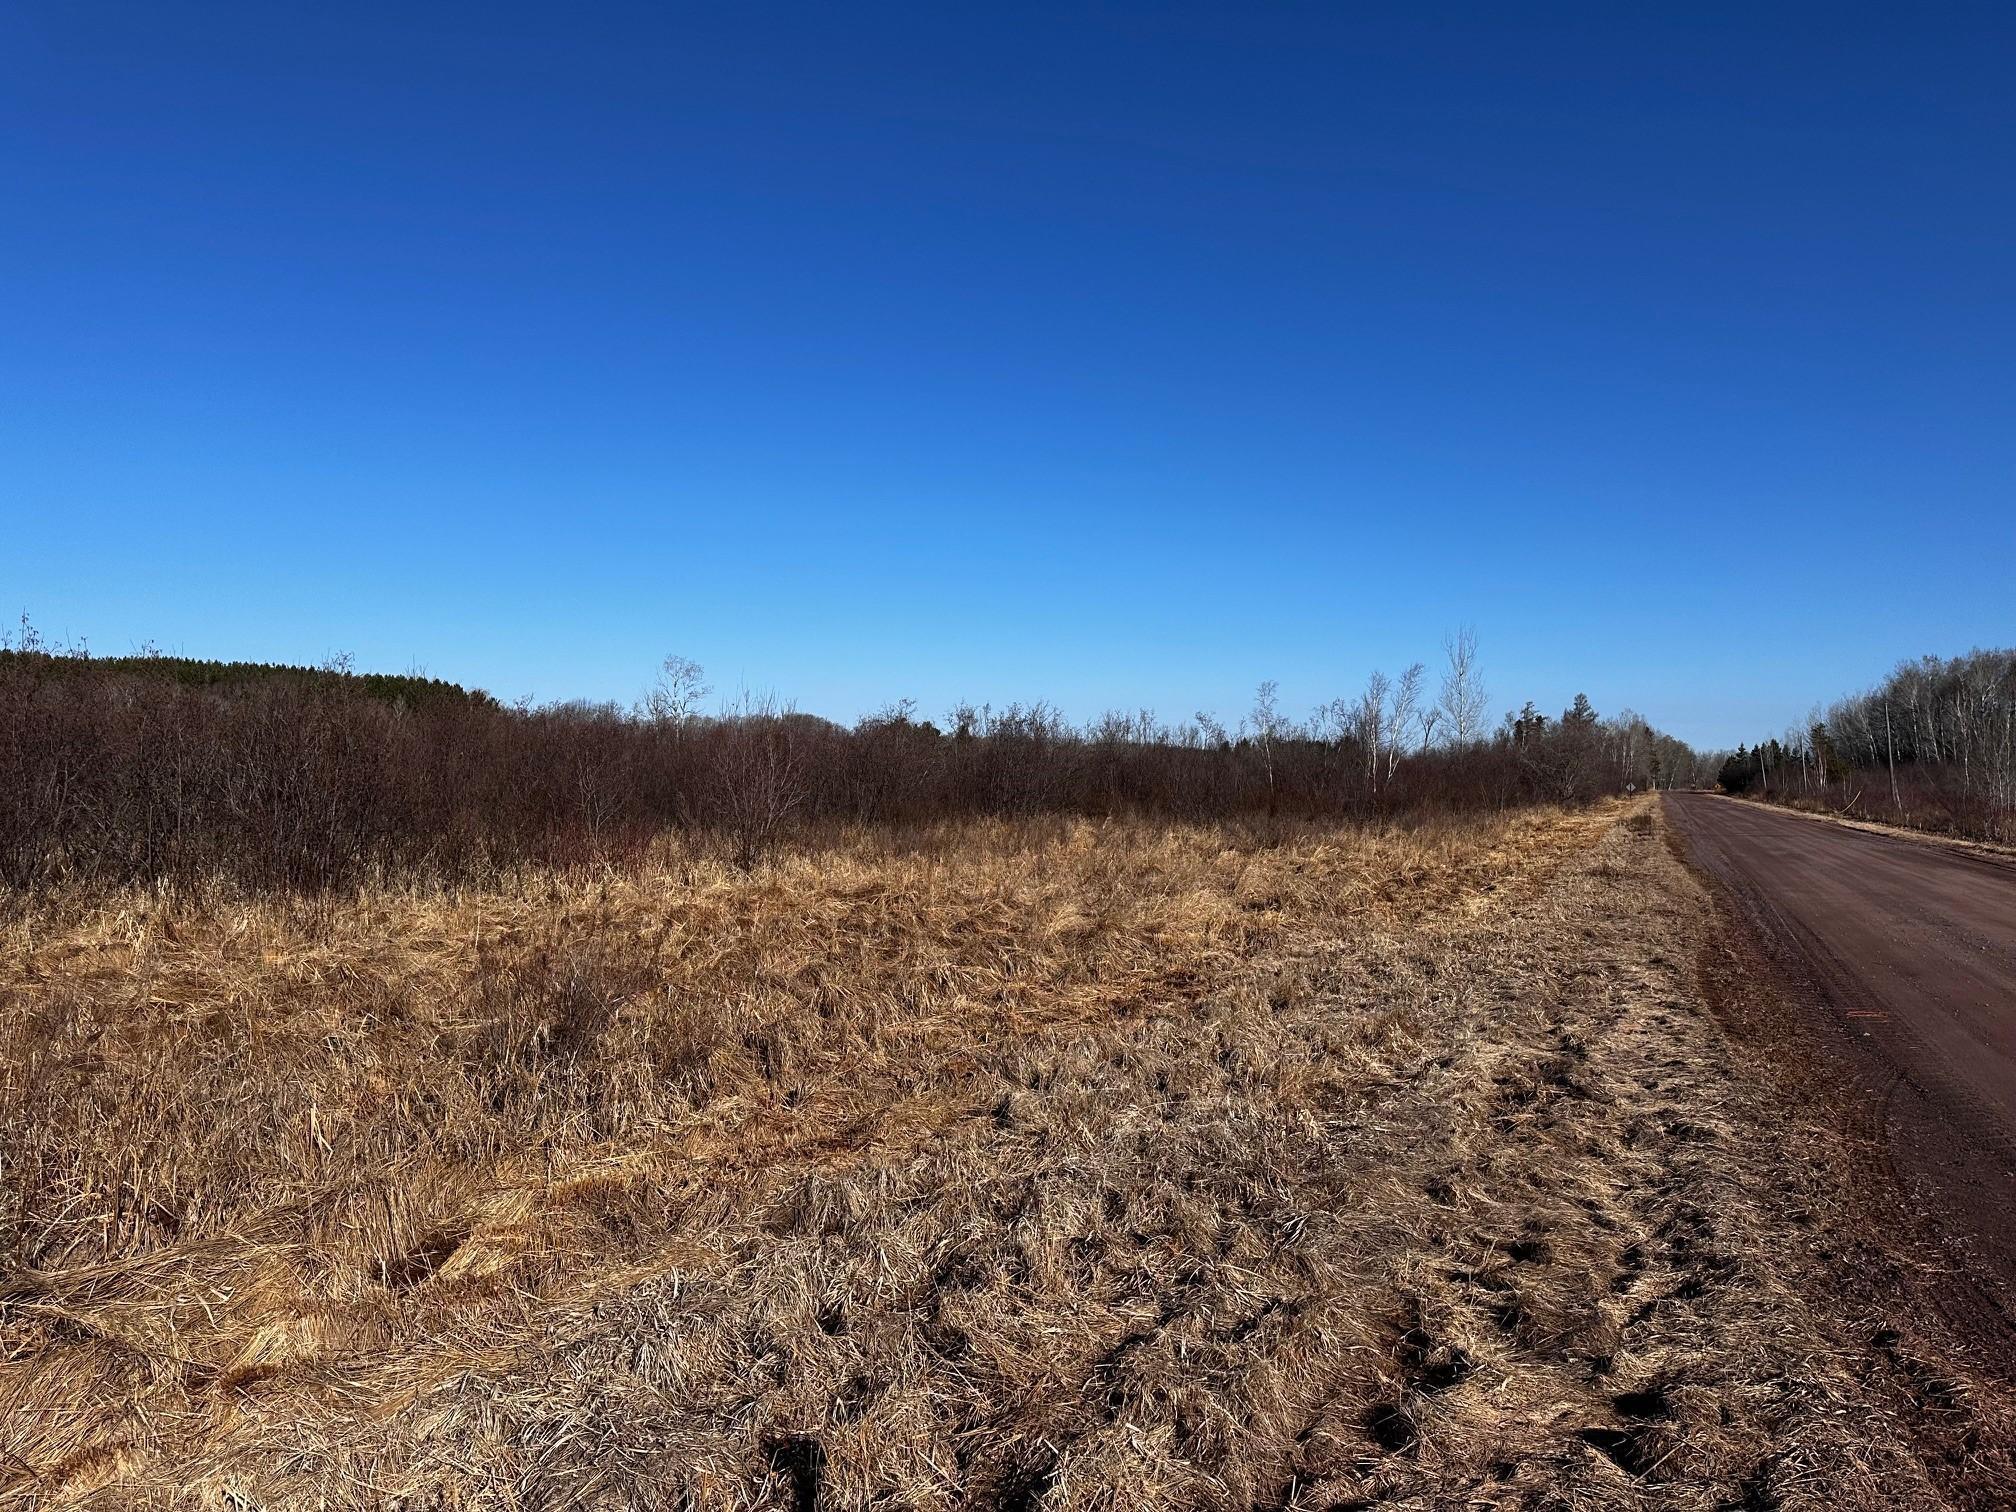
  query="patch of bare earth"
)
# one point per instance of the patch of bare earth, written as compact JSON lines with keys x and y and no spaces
{"x":1032,"y":1167}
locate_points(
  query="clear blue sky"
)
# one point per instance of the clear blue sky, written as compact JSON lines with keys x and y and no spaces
{"x":1118,"y":356}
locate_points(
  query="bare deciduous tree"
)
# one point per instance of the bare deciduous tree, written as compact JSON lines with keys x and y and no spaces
{"x":1371,"y":726}
{"x":759,"y":775}
{"x":1464,"y":702}
{"x":674,"y":699}
{"x":1404,"y":710}
{"x":1268,"y":729}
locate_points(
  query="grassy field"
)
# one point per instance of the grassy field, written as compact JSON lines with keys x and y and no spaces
{"x":1027,"y":1166}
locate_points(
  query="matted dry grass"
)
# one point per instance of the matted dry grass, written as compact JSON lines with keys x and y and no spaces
{"x":1030,"y":1166}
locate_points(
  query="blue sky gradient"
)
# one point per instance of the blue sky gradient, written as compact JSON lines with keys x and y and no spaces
{"x":1115,"y":355}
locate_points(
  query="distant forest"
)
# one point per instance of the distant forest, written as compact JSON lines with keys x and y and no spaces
{"x":410,"y":689}
{"x":173,"y":771}
{"x":1932,"y":746}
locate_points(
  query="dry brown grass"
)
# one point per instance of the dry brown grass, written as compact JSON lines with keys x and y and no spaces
{"x":1046,"y":1167}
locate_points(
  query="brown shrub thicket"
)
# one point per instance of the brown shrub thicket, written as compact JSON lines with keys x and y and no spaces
{"x":114,"y":773}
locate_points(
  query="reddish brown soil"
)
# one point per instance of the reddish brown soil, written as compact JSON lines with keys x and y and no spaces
{"x":1894,"y":967}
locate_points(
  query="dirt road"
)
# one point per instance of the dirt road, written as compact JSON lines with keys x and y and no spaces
{"x":1898,"y":958}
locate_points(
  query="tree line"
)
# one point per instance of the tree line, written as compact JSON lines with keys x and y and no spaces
{"x":1932,"y":746}
{"x":120,"y":771}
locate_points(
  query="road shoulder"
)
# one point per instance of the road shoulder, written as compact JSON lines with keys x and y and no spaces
{"x":1979,"y":850}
